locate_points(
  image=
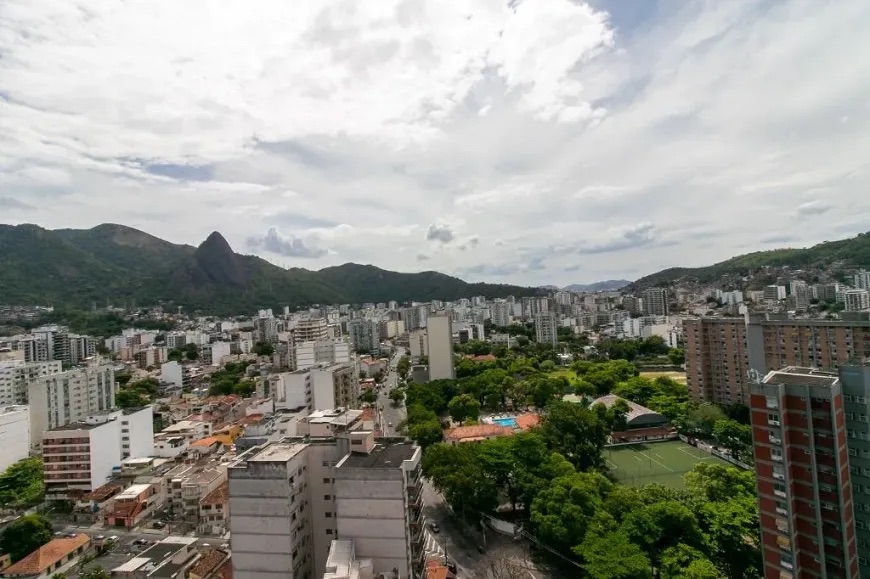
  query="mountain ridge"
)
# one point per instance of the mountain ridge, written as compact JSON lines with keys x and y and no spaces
{"x":117,"y":264}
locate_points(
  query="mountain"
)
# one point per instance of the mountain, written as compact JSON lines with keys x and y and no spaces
{"x":845,"y":253}
{"x":116,"y":264}
{"x":599,"y":286}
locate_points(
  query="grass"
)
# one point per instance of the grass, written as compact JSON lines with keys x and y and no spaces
{"x":566,"y":372}
{"x":673,"y":375}
{"x":658,"y":462}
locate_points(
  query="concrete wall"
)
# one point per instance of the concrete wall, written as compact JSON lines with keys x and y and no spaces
{"x":15,"y":434}
{"x":140,"y":432}
{"x":440,"y":333}
{"x":105,"y":451}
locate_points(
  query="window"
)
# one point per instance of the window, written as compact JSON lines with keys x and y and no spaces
{"x":327,"y":514}
{"x":326,"y":481}
{"x":328,"y":531}
{"x":327,"y":497}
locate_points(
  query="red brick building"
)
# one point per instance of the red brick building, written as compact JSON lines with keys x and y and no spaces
{"x":803,"y":477}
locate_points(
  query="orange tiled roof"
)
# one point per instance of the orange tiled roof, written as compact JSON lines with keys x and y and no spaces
{"x":482,"y":358}
{"x":104,"y":492}
{"x":208,"y":563}
{"x":478,"y":431}
{"x":251,"y":419}
{"x":219,"y":496}
{"x":435,"y":570}
{"x":47,"y":555}
{"x":528,"y":421}
{"x":206,"y":442}
{"x":225,"y":571}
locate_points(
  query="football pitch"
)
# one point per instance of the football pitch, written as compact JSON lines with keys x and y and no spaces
{"x":658,"y":462}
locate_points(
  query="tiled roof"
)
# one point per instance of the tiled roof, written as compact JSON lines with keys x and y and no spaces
{"x":205,"y":442}
{"x":219,"y":496}
{"x":435,"y":570}
{"x":104,"y":492}
{"x":478,"y":431}
{"x":225,"y":571}
{"x":208,"y":563}
{"x":482,"y":358}
{"x":47,"y":555}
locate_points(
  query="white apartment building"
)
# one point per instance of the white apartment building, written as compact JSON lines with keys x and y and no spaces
{"x":501,"y":313}
{"x":364,"y":334}
{"x":439,"y":331}
{"x":289,"y":390}
{"x":172,"y":373}
{"x":289,"y":500}
{"x":16,"y":376}
{"x":215,"y":353}
{"x":774,"y":293}
{"x":59,"y":399}
{"x":333,"y":387}
{"x":14,"y":435}
{"x":79,"y":457}
{"x":862,"y":280}
{"x":545,"y":328}
{"x":856,"y":300}
{"x":137,"y":432}
{"x":327,"y":351}
{"x":419,"y":344}
{"x":310,"y":330}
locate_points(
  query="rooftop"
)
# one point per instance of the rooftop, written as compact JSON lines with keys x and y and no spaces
{"x":44,"y":557}
{"x":634,"y":410}
{"x":209,"y":562}
{"x":277,"y":452}
{"x":798,"y":376}
{"x":77,"y":426}
{"x":477,"y":432}
{"x":381,"y":456}
{"x":132,"y":491}
{"x":218,"y":496}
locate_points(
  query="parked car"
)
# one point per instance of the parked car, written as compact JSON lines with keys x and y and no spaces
{"x":433,"y":526}
{"x":114,"y":538}
{"x":159,"y":524}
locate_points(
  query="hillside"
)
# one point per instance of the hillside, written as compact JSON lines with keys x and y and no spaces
{"x":846,"y":253}
{"x":119,"y":265}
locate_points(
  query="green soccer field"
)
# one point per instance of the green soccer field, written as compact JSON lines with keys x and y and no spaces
{"x":658,"y":462}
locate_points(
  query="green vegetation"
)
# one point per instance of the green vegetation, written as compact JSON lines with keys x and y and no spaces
{"x":24,"y":535}
{"x":97,"y":323}
{"x":21,"y":485}
{"x":368,"y":396}
{"x":664,"y":463}
{"x":403,"y":366}
{"x":137,"y":394}
{"x":230,"y":380}
{"x":851,"y":252}
{"x":263,"y":349}
{"x":118,"y":264}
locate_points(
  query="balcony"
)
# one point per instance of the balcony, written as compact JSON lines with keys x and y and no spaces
{"x":781,"y":511}
{"x":776,"y":457}
{"x":779,"y":493}
{"x":772,"y":422}
{"x":774,"y":439}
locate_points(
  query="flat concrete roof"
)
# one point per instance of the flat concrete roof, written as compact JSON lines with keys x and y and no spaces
{"x":802,"y":377}
{"x":277,"y":452}
{"x":381,"y":456}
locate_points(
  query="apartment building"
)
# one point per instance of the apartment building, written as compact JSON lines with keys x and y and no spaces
{"x":655,"y":301}
{"x":439,"y":331}
{"x":773,"y":293}
{"x":79,"y":457}
{"x":189,"y":485}
{"x":861,"y":280}
{"x":67,"y":397}
{"x":329,"y":351}
{"x":16,"y":375}
{"x":334,"y":386}
{"x":803,"y":475}
{"x":364,"y":335}
{"x":137,"y":432}
{"x":289,"y":500}
{"x":855,"y":383}
{"x":856,"y":300}
{"x":418,"y":343}
{"x":501,"y":313}
{"x":545,"y":328}
{"x":721,"y":351}
{"x":15,"y":435}
{"x":310,"y":330}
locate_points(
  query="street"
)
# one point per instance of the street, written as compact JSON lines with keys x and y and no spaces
{"x":390,"y":414}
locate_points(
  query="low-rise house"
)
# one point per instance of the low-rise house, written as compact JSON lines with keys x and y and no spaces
{"x":212,"y":564}
{"x":214,"y":511}
{"x":132,"y":506}
{"x":56,"y":556}
{"x":641,"y":423}
{"x":89,"y":506}
{"x":167,"y":559}
{"x":476,"y":433}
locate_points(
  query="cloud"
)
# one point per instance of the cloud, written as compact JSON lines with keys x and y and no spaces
{"x":273,"y":241}
{"x":557,"y":131}
{"x":622,"y":239}
{"x":440,"y":232}
{"x":811,"y":208}
{"x":12,"y":204}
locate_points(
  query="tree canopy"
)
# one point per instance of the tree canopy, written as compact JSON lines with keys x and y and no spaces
{"x":25,"y":535}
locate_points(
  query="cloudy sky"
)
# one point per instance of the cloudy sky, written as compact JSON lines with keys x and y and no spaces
{"x":536,"y":141}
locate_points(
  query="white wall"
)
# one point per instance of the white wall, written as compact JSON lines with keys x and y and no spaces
{"x":105,"y":451}
{"x":440,"y":334}
{"x":171,"y":372}
{"x":322,"y":389}
{"x":14,"y":435}
{"x":140,"y":432}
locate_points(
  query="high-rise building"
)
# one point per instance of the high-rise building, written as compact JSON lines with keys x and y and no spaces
{"x":800,"y":293}
{"x":419,"y":344}
{"x":59,"y":399}
{"x":855,"y":382}
{"x":803,"y":476}
{"x":334,"y":386}
{"x":16,"y":376}
{"x":773,"y":293}
{"x":15,"y":435}
{"x":411,"y":317}
{"x":500,"y":313}
{"x":655,"y":301}
{"x":545,"y":328}
{"x":440,"y":337}
{"x":721,"y":351}
{"x":364,"y":335}
{"x":861,"y":280}
{"x":856,"y":300}
{"x":289,"y":500}
{"x":312,"y":353}
{"x":310,"y":330}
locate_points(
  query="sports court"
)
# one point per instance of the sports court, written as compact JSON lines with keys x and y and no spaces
{"x":657,"y":462}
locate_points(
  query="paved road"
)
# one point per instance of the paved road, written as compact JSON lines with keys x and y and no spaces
{"x":391,"y":414}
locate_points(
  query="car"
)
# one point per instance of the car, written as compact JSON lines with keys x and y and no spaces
{"x":114,"y":538}
{"x":390,"y":424}
{"x":99,"y":537}
{"x":433,"y":526}
{"x":159,"y":525}
{"x":140,"y":542}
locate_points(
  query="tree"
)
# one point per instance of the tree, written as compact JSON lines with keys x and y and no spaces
{"x":613,"y":556}
{"x":661,"y":525}
{"x":397,"y":395}
{"x":263,"y":349}
{"x":561,"y":511}
{"x":464,"y":407}
{"x":22,"y":483}
{"x":245,"y":388}
{"x":677,"y":356}
{"x":456,"y":471}
{"x":500,"y":568}
{"x":685,"y":562}
{"x":368,"y":396}
{"x":403,"y":365}
{"x":25,"y":535}
{"x":575,"y":432}
{"x":734,"y":436}
{"x":702,"y":418}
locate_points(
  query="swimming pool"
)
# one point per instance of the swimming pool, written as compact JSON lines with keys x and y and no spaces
{"x":509,"y":422}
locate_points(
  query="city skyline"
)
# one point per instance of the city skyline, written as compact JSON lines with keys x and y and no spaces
{"x":559,"y":141}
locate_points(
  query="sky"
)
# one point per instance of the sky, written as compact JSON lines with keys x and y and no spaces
{"x":521,"y":141}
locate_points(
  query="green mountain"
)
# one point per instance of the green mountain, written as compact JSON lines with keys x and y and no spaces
{"x":116,"y":264}
{"x":843,"y":254}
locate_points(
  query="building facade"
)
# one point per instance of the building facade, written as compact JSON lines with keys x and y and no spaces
{"x":545,"y":328}
{"x":15,"y":435}
{"x":16,"y":375}
{"x":803,"y":476}
{"x":439,"y":331}
{"x":655,"y":301}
